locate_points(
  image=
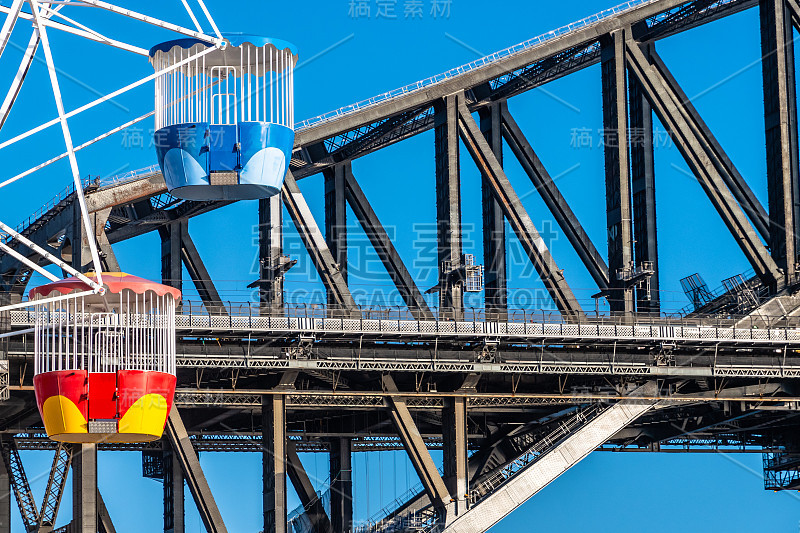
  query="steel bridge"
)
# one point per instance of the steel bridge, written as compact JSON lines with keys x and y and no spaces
{"x":550,"y":388}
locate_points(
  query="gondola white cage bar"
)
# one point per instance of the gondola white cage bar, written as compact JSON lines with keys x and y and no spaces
{"x":244,"y":83}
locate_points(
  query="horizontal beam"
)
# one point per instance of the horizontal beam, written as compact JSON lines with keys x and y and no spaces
{"x":481,"y":76}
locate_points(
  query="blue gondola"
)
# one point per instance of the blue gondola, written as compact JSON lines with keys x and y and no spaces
{"x":224,"y":119}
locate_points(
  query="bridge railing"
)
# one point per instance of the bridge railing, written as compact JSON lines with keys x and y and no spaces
{"x":474,"y":65}
{"x":480,"y":314}
{"x":239,"y":314}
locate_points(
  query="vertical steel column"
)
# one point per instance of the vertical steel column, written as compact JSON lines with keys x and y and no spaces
{"x":74,"y":233}
{"x":341,"y":485}
{"x":5,"y":493}
{"x":336,"y":219}
{"x":84,"y":488}
{"x":454,"y":434}
{"x":780,"y":117}
{"x":618,"y":192}
{"x":174,"y":515}
{"x":494,"y":228}
{"x":448,"y":204}
{"x":171,"y":269}
{"x":273,"y":419}
{"x":645,"y":241}
{"x":5,"y":327}
{"x":270,"y":251}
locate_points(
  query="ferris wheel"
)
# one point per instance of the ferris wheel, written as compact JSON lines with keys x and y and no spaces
{"x":224,"y":114}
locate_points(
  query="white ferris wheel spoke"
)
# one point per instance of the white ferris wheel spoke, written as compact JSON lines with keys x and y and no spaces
{"x":40,"y":166}
{"x":73,"y":161}
{"x":22,"y":72}
{"x":31,"y":303}
{"x":80,"y":33}
{"x":210,"y":19}
{"x":50,"y":257}
{"x":41,"y":13}
{"x":153,"y":21}
{"x":191,"y":15}
{"x":8,"y":24}
{"x":22,"y":259}
{"x":108,"y":97}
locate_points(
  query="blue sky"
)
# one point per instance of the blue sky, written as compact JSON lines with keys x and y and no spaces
{"x":345,"y":59}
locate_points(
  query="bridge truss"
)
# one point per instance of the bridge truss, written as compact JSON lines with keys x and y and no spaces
{"x":512,"y":398}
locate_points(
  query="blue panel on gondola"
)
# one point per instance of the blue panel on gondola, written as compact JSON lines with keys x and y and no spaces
{"x":266,"y":150}
{"x":182,"y":152}
{"x":224,"y":149}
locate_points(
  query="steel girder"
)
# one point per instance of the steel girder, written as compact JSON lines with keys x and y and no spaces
{"x":617,"y":170}
{"x":555,"y":202}
{"x":200,"y":276}
{"x":384,"y":247}
{"x":494,"y":223}
{"x":326,"y":265}
{"x":727,"y":170}
{"x":174,"y":503}
{"x":171,"y":269}
{"x":309,"y":499}
{"x":177,"y":247}
{"x":336,"y":220}
{"x":273,"y":456}
{"x":84,"y":489}
{"x":518,"y":218}
{"x":19,"y":483}
{"x":643,"y":190}
{"x":448,"y":206}
{"x":195,"y":479}
{"x":780,"y":116}
{"x":341,"y":475}
{"x":454,"y":438}
{"x":270,"y":254}
{"x":104,"y":522}
{"x":418,"y":454}
{"x":702,"y":161}
{"x":56,"y":484}
{"x":479,"y":77}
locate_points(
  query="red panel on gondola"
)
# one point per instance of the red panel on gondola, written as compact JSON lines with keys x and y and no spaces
{"x":71,"y":384}
{"x":133,"y":384}
{"x":102,"y":395}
